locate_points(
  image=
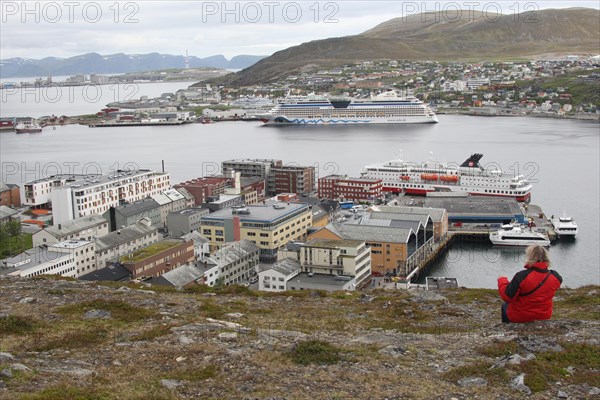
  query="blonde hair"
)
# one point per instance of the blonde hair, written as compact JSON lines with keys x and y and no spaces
{"x":535,"y":253}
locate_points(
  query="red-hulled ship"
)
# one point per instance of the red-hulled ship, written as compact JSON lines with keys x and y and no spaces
{"x":470,"y":177}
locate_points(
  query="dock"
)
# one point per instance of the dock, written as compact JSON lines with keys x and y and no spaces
{"x":480,"y":232}
{"x":122,"y":124}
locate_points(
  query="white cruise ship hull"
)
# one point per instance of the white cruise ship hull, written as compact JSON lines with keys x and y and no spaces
{"x":409,"y":119}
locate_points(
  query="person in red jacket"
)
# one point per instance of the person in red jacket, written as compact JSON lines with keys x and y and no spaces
{"x":528,"y":296}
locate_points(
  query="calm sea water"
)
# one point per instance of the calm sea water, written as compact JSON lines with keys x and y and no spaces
{"x":561,"y":158}
{"x":76,"y":100}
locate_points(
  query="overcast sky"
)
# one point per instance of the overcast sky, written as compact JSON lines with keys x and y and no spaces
{"x":38,"y":29}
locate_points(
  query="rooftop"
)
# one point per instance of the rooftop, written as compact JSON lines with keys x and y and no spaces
{"x":232,"y":252}
{"x":6,"y":212}
{"x":436,"y":213}
{"x":77,"y":181}
{"x":114,"y":272}
{"x":262,"y":213}
{"x":286,"y":267}
{"x":137,"y":207}
{"x":70,"y":244}
{"x":320,"y":279}
{"x":476,"y":205}
{"x":124,"y":235}
{"x":77,"y":225}
{"x":36,"y":256}
{"x":180,"y":276}
{"x":151,"y":250}
{"x":329,"y":243}
{"x":371,"y":233}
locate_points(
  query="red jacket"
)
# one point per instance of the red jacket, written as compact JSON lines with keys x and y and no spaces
{"x":523,"y":304}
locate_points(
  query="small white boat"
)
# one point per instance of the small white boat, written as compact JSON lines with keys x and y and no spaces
{"x":564,"y":226}
{"x":28,"y":128}
{"x":515,"y":235}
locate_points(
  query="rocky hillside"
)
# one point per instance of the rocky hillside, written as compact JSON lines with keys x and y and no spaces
{"x":430,"y":36}
{"x":79,"y":340}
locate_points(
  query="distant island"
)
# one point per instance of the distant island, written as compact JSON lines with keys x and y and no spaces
{"x":93,"y":63}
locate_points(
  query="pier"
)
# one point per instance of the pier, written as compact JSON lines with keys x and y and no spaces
{"x":115,"y":124}
{"x":479,"y":232}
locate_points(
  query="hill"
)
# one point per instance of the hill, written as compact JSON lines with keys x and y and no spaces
{"x":429,"y":36}
{"x":63,"y":339}
{"x":93,"y":63}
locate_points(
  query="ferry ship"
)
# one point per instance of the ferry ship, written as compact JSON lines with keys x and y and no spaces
{"x":385,"y":108}
{"x":28,"y":128}
{"x":512,"y":235}
{"x":564,"y":226}
{"x":418,"y":179}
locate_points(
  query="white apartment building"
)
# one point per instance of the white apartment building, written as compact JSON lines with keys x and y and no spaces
{"x":71,"y":258}
{"x":233,"y":264}
{"x":96,"y":194}
{"x":85,"y":228}
{"x":275,"y":277}
{"x":37,"y":193}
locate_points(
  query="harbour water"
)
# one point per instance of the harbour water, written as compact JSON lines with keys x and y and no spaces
{"x":560,"y":157}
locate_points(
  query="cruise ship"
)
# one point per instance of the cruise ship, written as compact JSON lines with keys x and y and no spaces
{"x":470,"y":177}
{"x":384,"y":108}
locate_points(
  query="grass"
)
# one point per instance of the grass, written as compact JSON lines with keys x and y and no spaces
{"x":68,"y":392}
{"x":194,"y":374}
{"x":120,"y":310}
{"x":14,"y":245}
{"x":499,"y":349}
{"x":149,"y":251}
{"x":549,"y":367}
{"x":496,"y":376}
{"x":315,"y":352}
{"x":152,"y":333}
{"x":17,"y":325}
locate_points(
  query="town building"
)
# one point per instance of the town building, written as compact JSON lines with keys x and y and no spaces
{"x":83,"y":228}
{"x":269,"y":225}
{"x":7,"y":213}
{"x":70,"y":258}
{"x":185,"y":221}
{"x":110,"y":248}
{"x":291,"y":179}
{"x":171,"y":201}
{"x":129,"y":213}
{"x":94,"y":194}
{"x":343,"y":188}
{"x":251,"y":167}
{"x":111,"y":273}
{"x":201,"y":244}
{"x":10,"y":195}
{"x":203,"y":188}
{"x":275,"y":277}
{"x":181,"y":277}
{"x":223,"y":201}
{"x":233,"y":264}
{"x":158,"y":258}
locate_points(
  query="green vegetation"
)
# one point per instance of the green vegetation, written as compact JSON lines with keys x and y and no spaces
{"x":315,"y":352}
{"x":582,"y":90}
{"x":152,"y":333}
{"x":12,"y":240}
{"x":549,"y":367}
{"x":149,"y":251}
{"x":191,"y":373}
{"x":68,"y":392}
{"x":120,"y":310}
{"x":16,"y":325}
{"x":494,"y":376}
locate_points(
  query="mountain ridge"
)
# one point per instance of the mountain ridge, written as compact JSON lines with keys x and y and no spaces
{"x":94,"y":63}
{"x":428,"y":36}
